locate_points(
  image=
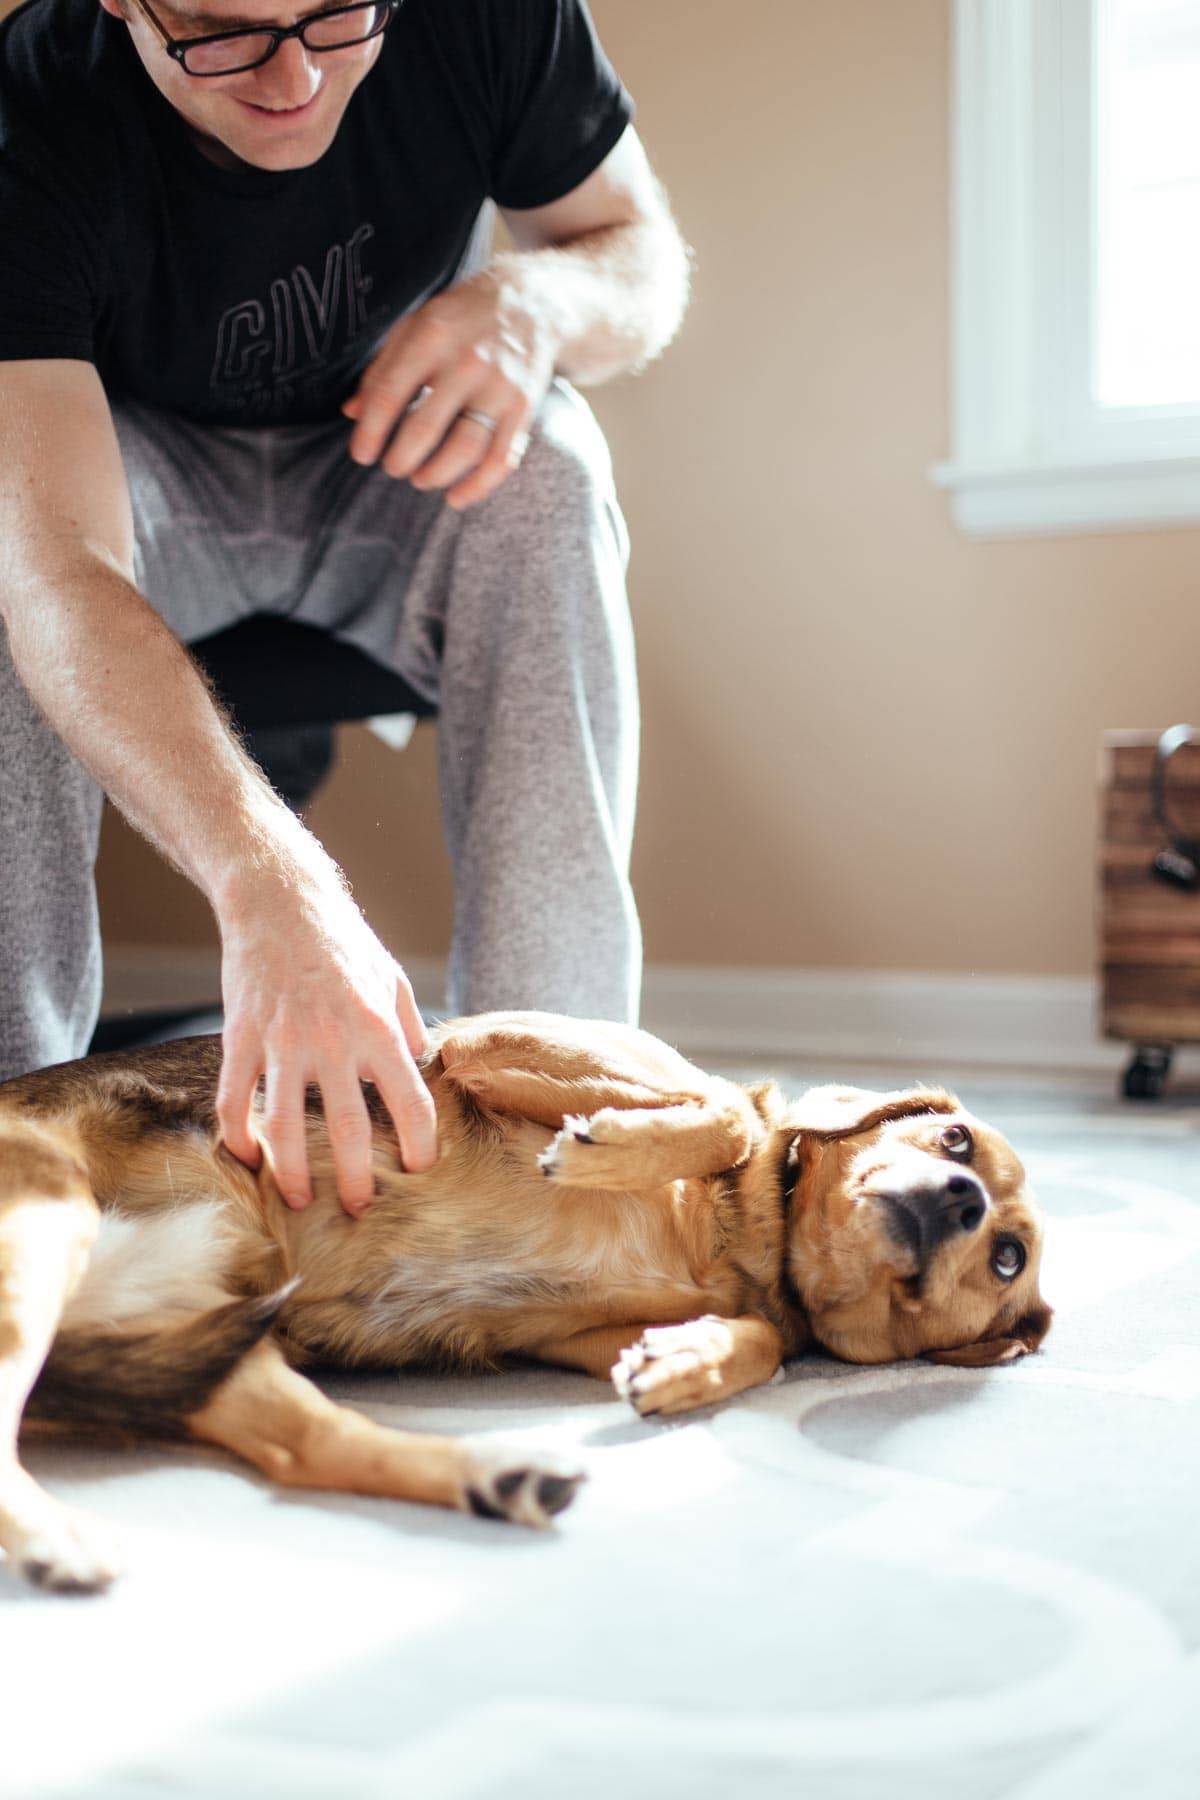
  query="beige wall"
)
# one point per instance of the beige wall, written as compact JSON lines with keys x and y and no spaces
{"x":867,"y":742}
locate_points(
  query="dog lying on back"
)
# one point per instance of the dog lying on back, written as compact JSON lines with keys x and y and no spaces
{"x":598,"y":1203}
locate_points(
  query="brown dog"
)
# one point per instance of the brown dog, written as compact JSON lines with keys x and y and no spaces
{"x":598,"y":1203}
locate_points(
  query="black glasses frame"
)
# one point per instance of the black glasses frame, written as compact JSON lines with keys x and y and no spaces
{"x":178,"y":48}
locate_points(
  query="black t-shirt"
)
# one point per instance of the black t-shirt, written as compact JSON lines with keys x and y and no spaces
{"x":245,"y":296}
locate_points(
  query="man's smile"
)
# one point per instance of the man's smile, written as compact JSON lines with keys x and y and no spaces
{"x":282,"y":113}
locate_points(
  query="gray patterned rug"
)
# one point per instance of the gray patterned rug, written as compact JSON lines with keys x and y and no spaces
{"x":909,"y":1581}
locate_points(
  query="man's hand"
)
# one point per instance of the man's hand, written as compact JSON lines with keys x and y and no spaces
{"x":311,"y":995}
{"x":596,"y":285}
{"x":480,"y":347}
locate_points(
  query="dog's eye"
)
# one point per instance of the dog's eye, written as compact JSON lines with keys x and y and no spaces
{"x":956,"y":1141}
{"x":1008,"y":1258}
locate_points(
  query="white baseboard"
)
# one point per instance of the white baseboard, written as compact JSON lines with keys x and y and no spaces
{"x":925,"y":1022}
{"x":922,"y":1021}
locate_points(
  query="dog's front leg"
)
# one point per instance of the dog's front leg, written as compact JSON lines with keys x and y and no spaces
{"x":44,"y":1244}
{"x":612,"y":1149}
{"x":595,"y":1351}
{"x":629,"y":1112}
{"x":676,"y":1368}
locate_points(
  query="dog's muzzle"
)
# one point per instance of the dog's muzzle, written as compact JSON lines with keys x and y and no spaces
{"x":922,"y":1219}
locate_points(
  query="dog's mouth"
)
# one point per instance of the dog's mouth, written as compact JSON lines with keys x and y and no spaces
{"x":901,"y":1223}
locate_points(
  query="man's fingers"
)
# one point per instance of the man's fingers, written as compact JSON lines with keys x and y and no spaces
{"x":416,"y":1035}
{"x":413,"y":1114}
{"x":350,"y":1140}
{"x":235,"y":1096}
{"x":409,"y":397}
{"x":468,"y":445}
{"x":503,"y":459}
{"x":283,"y":1128}
{"x":405,"y":1095}
{"x":386,"y":394}
{"x":422,"y":430}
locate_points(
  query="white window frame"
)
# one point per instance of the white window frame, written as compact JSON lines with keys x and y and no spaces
{"x":1031,"y":454}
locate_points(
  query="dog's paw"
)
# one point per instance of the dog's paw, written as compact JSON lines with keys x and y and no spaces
{"x":587,"y":1151}
{"x":67,"y":1553}
{"x":526,"y":1490}
{"x":566,"y":1154}
{"x":674,"y":1368}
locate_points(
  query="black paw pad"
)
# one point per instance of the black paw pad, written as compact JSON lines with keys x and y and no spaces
{"x":507,"y":1485}
{"x":480,"y":1504}
{"x":556,"y":1492}
{"x":46,"y":1575}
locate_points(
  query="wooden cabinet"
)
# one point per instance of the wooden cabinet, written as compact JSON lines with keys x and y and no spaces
{"x":1149,"y":927}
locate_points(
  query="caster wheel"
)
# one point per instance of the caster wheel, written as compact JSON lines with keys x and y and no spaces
{"x":1146,"y":1076}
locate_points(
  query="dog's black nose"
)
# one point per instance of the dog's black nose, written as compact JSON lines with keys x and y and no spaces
{"x":925,"y":1217}
{"x":964,"y":1203}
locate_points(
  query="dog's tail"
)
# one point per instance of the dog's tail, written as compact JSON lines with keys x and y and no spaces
{"x":150,"y":1379}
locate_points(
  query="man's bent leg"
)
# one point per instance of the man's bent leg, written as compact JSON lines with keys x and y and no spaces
{"x":512,"y":617}
{"x":50,"y":971}
{"x":538,"y":734}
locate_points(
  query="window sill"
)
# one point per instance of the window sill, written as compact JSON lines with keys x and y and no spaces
{"x":1063,"y":498}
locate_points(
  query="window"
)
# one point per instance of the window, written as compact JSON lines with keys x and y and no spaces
{"x":1077,"y":265}
{"x":1148,"y":204}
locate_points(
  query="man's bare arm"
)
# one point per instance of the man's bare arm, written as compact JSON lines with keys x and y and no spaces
{"x":596,"y":285}
{"x":605,"y":265}
{"x":310,"y":993}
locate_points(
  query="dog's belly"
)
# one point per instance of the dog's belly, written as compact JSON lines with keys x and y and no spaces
{"x":434,"y":1275}
{"x":480,"y":1258}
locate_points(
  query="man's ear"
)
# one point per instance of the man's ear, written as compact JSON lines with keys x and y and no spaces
{"x":837,"y":1112}
{"x":1024,"y":1338}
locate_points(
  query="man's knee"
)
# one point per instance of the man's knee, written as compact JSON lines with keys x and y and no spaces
{"x":564,"y":485}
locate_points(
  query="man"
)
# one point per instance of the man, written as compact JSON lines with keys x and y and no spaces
{"x":253,"y":358}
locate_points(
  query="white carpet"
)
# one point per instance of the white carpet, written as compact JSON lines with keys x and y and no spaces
{"x":907,"y":1582}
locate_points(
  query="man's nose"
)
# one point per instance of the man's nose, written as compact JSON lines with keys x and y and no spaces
{"x":291,"y":77}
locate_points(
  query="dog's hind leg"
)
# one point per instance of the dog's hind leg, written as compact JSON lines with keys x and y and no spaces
{"x":278,"y":1420}
{"x":48,"y":1222}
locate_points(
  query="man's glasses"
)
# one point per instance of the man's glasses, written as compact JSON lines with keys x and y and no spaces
{"x":230,"y":52}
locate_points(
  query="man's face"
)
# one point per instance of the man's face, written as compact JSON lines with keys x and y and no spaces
{"x":282,"y":115}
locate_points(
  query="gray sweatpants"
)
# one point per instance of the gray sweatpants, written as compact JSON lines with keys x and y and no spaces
{"x":511,"y":616}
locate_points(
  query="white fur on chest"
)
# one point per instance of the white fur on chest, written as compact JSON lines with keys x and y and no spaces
{"x":176,"y":1260}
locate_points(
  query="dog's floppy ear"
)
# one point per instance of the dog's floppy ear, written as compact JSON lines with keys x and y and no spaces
{"x":1023,"y":1338}
{"x":836,"y":1112}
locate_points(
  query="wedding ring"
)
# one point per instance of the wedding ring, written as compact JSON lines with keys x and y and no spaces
{"x":479,"y":418}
